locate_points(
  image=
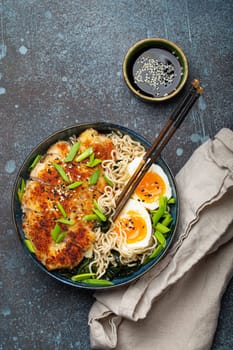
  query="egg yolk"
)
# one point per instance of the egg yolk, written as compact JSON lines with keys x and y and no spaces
{"x":151,"y":186}
{"x":134,"y":226}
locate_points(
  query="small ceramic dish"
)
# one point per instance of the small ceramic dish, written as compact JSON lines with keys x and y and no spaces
{"x":155,"y":69}
{"x":24,"y":174}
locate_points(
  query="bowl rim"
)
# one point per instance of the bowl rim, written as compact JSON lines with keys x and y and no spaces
{"x":156,"y":40}
{"x":45,"y":143}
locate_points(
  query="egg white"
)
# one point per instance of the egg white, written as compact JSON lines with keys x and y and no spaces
{"x":135,"y":207}
{"x":156,"y":169}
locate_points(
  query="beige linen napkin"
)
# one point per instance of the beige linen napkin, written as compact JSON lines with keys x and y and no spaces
{"x":175,"y":305}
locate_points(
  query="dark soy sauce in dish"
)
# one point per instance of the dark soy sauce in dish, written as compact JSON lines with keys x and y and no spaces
{"x":157,"y":72}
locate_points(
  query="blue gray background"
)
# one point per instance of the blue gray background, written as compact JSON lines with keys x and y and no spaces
{"x":60,"y":65}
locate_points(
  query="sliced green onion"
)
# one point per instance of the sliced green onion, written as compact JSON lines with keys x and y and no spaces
{"x":108,"y":181}
{"x":96,"y":205}
{"x":91,"y":158}
{"x":157,"y":214}
{"x":155,"y":253}
{"x":85,"y":154}
{"x":55,"y":232}
{"x":21,"y":190}
{"x":94,"y":163}
{"x":72,"y":153}
{"x":172,"y":200}
{"x":160,"y":237}
{"x":29,"y":245}
{"x":62,"y":210}
{"x":97,"y":282}
{"x":82,"y":276}
{"x":57,"y":235}
{"x":90,"y":217}
{"x":167,"y":219}
{"x":74,"y":185}
{"x":94,"y":177}
{"x":61,"y":172}
{"x":35,"y":161}
{"x":100,"y":214}
{"x":60,"y":237}
{"x":161,"y":228}
{"x":66,"y":221}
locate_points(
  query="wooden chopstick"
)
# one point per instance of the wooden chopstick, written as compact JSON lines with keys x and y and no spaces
{"x":158,"y":145}
{"x":175,"y":114}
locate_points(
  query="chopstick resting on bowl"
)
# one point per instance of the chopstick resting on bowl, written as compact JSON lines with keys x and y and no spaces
{"x":158,"y":145}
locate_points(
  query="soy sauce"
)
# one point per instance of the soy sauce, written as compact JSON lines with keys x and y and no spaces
{"x":157,"y":72}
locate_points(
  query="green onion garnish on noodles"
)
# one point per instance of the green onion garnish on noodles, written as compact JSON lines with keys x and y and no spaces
{"x":157,"y":214}
{"x":167,"y":219}
{"x":98,"y":282}
{"x":108,"y":181}
{"x":160,"y":238}
{"x":98,"y":211}
{"x":161,"y":228}
{"x":90,"y":217}
{"x":172,"y":200}
{"x":100,"y":215}
{"x":155,"y":253}
{"x":82,"y":276}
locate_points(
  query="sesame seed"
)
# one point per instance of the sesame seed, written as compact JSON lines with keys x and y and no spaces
{"x":154,"y":73}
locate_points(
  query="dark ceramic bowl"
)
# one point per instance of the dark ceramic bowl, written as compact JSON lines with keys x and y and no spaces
{"x":155,"y":69}
{"x":64,"y":135}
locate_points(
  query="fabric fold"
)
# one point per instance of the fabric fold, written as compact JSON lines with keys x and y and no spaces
{"x":205,"y":187}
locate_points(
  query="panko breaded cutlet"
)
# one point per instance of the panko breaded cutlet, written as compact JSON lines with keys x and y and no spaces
{"x":46,"y":192}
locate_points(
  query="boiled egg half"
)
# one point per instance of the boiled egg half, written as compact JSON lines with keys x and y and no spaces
{"x":154,"y":184}
{"x":134,"y":220}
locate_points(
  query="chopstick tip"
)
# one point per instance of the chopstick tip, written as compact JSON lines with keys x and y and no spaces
{"x":200,"y":90}
{"x":196,"y":83}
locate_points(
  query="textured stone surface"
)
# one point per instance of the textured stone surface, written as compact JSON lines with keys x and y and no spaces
{"x":61,"y":64}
